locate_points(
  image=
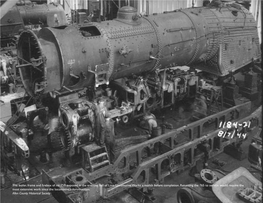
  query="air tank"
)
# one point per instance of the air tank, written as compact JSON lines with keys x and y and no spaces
{"x":28,"y":15}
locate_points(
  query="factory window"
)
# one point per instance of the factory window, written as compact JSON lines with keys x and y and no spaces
{"x":226,"y":45}
{"x":90,"y":31}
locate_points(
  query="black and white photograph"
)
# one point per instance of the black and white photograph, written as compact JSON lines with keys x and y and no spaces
{"x":131,"y":101}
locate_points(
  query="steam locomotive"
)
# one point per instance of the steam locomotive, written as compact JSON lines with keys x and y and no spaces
{"x":86,"y":83}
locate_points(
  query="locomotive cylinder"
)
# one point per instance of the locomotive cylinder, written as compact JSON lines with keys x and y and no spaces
{"x":30,"y":14}
{"x":50,"y":15}
{"x":72,"y":57}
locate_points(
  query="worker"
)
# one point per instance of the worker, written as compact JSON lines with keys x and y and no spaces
{"x":151,"y":123}
{"x":101,"y":113}
{"x":206,"y":157}
{"x":200,"y":107}
{"x":109,"y":138}
{"x":3,"y":70}
{"x":192,"y":83}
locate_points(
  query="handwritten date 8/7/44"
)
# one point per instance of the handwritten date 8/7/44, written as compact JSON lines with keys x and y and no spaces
{"x":224,"y":134}
{"x":237,"y":129}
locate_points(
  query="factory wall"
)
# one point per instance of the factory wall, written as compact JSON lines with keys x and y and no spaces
{"x":255,"y":9}
{"x":152,"y":6}
{"x":158,"y":6}
{"x":143,"y":6}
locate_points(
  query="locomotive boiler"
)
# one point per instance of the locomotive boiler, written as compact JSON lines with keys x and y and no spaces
{"x":68,"y":58}
{"x":89,"y":86}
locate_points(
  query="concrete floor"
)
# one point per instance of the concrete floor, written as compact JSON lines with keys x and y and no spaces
{"x":168,"y":194}
{"x":161,"y":194}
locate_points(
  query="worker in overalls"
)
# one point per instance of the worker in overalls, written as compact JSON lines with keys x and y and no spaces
{"x":101,"y":112}
{"x":200,"y":107}
{"x":110,"y":138}
{"x":151,"y":123}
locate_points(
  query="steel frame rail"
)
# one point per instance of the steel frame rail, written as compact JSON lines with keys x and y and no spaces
{"x":142,"y":173}
{"x":143,"y":170}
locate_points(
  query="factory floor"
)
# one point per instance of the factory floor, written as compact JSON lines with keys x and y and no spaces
{"x":168,"y":194}
{"x":161,"y":194}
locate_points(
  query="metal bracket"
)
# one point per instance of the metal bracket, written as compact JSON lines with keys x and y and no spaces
{"x":101,"y":74}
